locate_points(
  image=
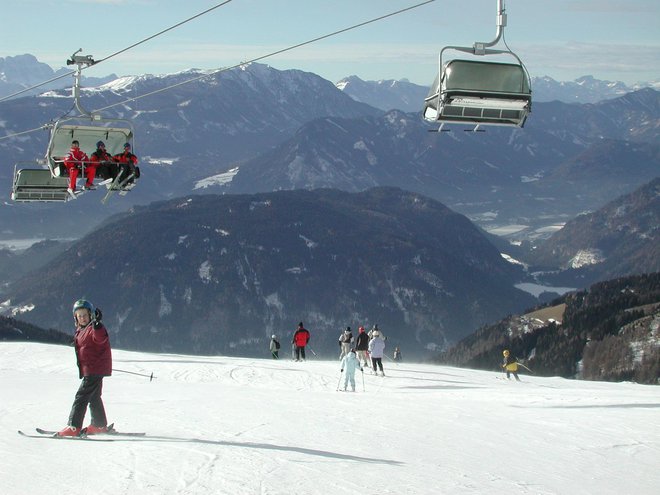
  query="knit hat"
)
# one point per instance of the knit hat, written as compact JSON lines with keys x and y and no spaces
{"x":99,"y":144}
{"x":127,"y":145}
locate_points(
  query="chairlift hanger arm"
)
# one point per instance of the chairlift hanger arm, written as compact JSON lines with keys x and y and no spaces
{"x":480,"y":46}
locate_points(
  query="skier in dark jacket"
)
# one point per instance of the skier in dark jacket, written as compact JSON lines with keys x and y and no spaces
{"x":362,"y":347}
{"x":94,"y":359}
{"x":300,"y":340}
{"x":106,"y":168}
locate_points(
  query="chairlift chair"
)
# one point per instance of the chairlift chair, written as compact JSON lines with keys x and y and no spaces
{"x":65,"y":131}
{"x":478,"y":92}
{"x":50,"y":184}
{"x":37,"y":184}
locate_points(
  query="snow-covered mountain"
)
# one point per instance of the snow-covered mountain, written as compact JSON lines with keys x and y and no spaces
{"x":24,"y":71}
{"x":621,"y":238}
{"x":255,"y":129}
{"x":183,"y":135}
{"x":211,"y":273}
{"x":385,"y":94}
{"x":499,"y":179}
{"x":221,"y":425}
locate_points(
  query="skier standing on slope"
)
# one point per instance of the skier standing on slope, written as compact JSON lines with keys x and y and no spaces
{"x":348,"y":364}
{"x":510,"y":364}
{"x":377,"y":350}
{"x":274,"y":347}
{"x":94,"y":359}
{"x":362,"y":346}
{"x":300,"y":340}
{"x":345,"y":341}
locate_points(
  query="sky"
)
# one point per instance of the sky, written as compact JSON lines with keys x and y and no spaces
{"x":563,"y":39}
{"x":238,"y":426}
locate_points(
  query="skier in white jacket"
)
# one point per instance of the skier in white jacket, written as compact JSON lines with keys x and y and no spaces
{"x":377,"y":350}
{"x":348,"y":365}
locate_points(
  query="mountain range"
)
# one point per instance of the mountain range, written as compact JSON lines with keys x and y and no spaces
{"x":24,"y":71}
{"x":256,"y":129}
{"x":389,"y":94}
{"x":621,"y":238}
{"x":221,"y":273}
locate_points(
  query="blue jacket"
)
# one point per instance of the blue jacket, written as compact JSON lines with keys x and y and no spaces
{"x":349,"y":363}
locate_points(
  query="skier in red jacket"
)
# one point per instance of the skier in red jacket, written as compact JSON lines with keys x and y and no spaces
{"x":300,"y":340}
{"x":127,"y":164}
{"x":94,"y":359}
{"x":75,"y":159}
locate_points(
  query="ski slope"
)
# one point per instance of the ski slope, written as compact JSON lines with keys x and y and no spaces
{"x":236,"y":426}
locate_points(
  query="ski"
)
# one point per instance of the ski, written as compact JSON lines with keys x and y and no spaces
{"x":116,"y":186}
{"x":111,"y":431}
{"x":55,"y":437}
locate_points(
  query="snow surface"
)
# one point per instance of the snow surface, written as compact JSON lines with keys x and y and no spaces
{"x":218,"y":425}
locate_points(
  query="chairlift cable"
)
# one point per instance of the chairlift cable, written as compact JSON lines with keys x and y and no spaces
{"x":221,"y":4}
{"x":35,"y":86}
{"x":117,"y":52}
{"x":271,"y":54}
{"x":44,"y":126}
{"x":256,"y":59}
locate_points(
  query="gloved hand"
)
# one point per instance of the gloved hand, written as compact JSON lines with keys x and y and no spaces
{"x":97,"y":319}
{"x":342,"y":370}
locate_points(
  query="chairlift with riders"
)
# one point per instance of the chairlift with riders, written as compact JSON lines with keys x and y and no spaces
{"x":477,"y":92}
{"x":50,"y":181}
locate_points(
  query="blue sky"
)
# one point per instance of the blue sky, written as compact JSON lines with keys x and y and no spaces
{"x":564,"y":39}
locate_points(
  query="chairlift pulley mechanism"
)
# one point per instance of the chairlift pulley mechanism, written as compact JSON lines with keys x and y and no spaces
{"x":80,"y":60}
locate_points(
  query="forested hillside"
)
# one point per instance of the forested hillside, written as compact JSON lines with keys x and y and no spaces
{"x":15,"y":330}
{"x":607,"y":332}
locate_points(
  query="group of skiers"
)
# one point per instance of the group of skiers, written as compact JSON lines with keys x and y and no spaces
{"x":300,"y":340}
{"x":367,"y":350}
{"x":120,"y":167}
{"x":94,"y":360}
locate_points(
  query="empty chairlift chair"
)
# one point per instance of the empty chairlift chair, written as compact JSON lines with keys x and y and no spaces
{"x":478,"y":92}
{"x":38,"y":184}
{"x":475,"y":92}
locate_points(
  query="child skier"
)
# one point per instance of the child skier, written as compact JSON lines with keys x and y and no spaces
{"x":274,"y":347}
{"x":510,"y":364}
{"x":94,"y":362}
{"x":348,"y":364}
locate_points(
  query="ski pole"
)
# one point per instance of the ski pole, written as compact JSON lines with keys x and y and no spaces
{"x":308,"y":347}
{"x":520,"y":364}
{"x":151,"y":377}
{"x":340,"y":373}
{"x":362,"y":371}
